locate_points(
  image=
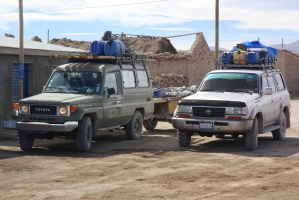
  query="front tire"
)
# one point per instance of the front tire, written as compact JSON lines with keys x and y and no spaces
{"x":251,"y":137}
{"x":84,"y":134}
{"x":150,"y":124}
{"x":25,"y":140}
{"x":134,"y":127}
{"x":279,"y":134}
{"x":184,"y":138}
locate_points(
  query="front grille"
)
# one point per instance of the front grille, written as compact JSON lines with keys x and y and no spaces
{"x":208,"y":112}
{"x":43,"y":110}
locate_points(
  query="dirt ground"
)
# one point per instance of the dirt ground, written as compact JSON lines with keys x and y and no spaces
{"x":154,"y":167}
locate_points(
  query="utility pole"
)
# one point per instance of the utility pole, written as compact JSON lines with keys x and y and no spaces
{"x":21,"y":51}
{"x":216,"y":32}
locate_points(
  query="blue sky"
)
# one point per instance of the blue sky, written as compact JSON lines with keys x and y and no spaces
{"x":87,"y":20}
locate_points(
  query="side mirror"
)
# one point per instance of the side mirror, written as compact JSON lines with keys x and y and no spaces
{"x":267,"y":91}
{"x":110,"y":91}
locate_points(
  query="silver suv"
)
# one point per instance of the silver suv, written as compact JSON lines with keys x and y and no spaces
{"x":236,"y":101}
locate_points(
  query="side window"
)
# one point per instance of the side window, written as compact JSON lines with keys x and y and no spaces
{"x":264,"y":82}
{"x":280,"y":83}
{"x":110,"y":82}
{"x":142,"y":78}
{"x":128,"y":78}
{"x":271,"y":83}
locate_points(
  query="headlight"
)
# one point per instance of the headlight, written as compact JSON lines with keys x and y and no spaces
{"x":24,"y":109}
{"x":236,"y":110}
{"x":185,"y":109}
{"x":62,"y":110}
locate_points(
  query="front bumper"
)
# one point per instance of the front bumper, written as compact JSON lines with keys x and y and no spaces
{"x":217,"y":126}
{"x":40,"y":126}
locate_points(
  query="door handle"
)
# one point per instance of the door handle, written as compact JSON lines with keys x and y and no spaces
{"x":117,"y":102}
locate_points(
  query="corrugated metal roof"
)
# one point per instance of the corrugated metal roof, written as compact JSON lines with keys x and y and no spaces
{"x":29,"y":44}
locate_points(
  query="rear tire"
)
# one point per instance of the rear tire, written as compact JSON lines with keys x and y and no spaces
{"x":134,"y":127}
{"x":184,"y":138}
{"x":251,"y":137}
{"x":84,"y":134}
{"x":150,"y":124}
{"x":25,"y":140}
{"x":279,"y":134}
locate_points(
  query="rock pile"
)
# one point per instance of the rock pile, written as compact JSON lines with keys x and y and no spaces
{"x":170,"y":80}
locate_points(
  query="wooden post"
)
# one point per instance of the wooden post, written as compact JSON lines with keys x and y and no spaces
{"x":21,"y":48}
{"x":216,"y":32}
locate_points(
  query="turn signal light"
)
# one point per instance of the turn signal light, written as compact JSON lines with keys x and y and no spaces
{"x":184,"y":115}
{"x":234,"y":117}
{"x":73,"y":108}
{"x":16,"y":106}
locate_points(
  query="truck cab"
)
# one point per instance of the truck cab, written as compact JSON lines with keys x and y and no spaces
{"x":83,"y":97}
{"x":235,"y":100}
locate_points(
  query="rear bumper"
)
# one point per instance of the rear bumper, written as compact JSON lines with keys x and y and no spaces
{"x":189,"y":124}
{"x":40,"y":126}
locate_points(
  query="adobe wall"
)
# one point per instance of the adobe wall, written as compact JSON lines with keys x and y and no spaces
{"x":288,"y":64}
{"x":39,"y":70}
{"x":195,"y":65}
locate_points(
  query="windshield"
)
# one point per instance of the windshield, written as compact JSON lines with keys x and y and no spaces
{"x":75,"y":82}
{"x":231,"y":82}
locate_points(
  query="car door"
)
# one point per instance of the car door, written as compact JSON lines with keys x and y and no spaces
{"x":281,"y":94}
{"x":266,"y":106}
{"x":276,"y":99}
{"x":112,"y":103}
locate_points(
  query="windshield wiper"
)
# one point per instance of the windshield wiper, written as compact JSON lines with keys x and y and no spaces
{"x":239,"y":91}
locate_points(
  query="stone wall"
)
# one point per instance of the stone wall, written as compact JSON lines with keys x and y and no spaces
{"x":194,"y":66}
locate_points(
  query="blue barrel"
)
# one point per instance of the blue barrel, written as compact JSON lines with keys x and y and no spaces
{"x":114,"y":48}
{"x":97,"y":48}
{"x":227,"y":57}
{"x":158,"y":93}
{"x":253,"y":58}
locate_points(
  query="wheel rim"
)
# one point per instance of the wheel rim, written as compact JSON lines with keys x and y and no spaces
{"x":89,"y":134}
{"x":136,"y":126}
{"x":283,"y":126}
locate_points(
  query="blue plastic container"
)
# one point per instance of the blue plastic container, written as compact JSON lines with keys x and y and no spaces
{"x":227,"y":57}
{"x":158,"y":93}
{"x":253,"y":58}
{"x":97,"y":48}
{"x":114,"y":48}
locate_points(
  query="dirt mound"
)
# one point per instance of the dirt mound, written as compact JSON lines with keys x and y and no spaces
{"x":71,"y":43}
{"x":149,"y":45}
{"x":137,"y":44}
{"x":36,"y":39}
{"x":170,"y":80}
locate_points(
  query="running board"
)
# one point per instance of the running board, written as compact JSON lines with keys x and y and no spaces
{"x":270,"y":128}
{"x":108,"y":128}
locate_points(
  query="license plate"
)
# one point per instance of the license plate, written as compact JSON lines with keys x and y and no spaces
{"x":206,"y":125}
{"x":9,"y":124}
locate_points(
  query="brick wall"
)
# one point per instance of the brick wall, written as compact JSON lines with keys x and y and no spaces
{"x":201,"y":61}
{"x":288,"y":64}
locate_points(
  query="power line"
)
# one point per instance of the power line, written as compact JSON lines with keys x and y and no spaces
{"x":65,"y":9}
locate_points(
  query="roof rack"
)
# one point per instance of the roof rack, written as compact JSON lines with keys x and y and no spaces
{"x":128,"y":57}
{"x":262,"y":64}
